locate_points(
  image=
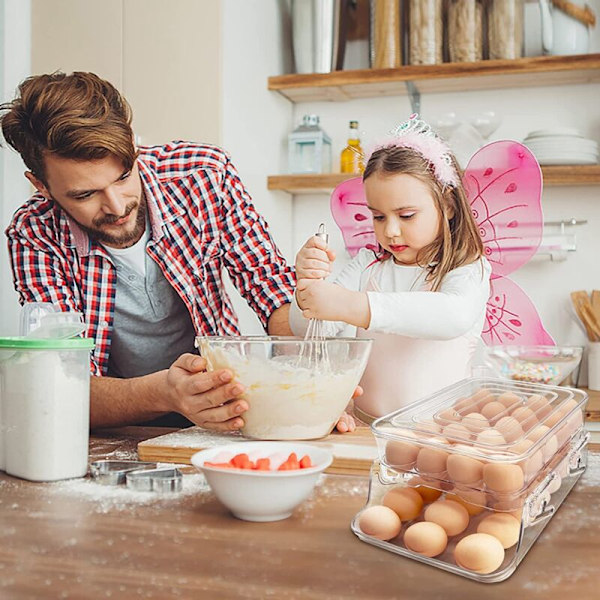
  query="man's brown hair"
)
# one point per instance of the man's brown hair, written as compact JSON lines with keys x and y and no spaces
{"x":77,"y":116}
{"x":458,"y":242}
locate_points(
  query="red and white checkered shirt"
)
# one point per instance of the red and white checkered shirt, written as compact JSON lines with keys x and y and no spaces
{"x":202,"y":220}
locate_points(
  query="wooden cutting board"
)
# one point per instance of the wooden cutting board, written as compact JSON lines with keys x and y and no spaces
{"x":353,"y":452}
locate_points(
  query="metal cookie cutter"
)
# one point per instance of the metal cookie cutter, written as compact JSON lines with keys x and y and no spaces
{"x":112,"y":472}
{"x":155,"y":480}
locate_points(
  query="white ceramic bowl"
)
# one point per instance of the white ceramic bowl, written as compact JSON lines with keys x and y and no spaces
{"x":262,"y":495}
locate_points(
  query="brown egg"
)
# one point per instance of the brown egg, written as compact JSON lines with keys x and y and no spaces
{"x":504,"y":527}
{"x":493,"y":410}
{"x":464,"y":469}
{"x":401,"y":454}
{"x":553,"y":418}
{"x":428,"y":493}
{"x":479,"y":552}
{"x":475,"y":422}
{"x":428,"y":426}
{"x":573,"y":424}
{"x":526,"y":417}
{"x":464,"y":406}
{"x":455,"y":432}
{"x":490,"y":437}
{"x":533,"y":463}
{"x":473,"y":500}
{"x":480,"y":398}
{"x":428,"y":539}
{"x":510,"y":428}
{"x":539,"y":405}
{"x":509,"y":399}
{"x":432,"y":460}
{"x":450,"y":515}
{"x":503,"y":477}
{"x":379,"y":522}
{"x":513,"y":507}
{"x":550,"y":445}
{"x":406,"y":502}
{"x":446,"y":416}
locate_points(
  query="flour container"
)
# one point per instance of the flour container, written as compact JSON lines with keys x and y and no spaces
{"x":44,"y":407}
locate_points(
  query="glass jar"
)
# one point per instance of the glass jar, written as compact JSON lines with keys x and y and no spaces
{"x":385,"y":34}
{"x":425,"y":32}
{"x":465,"y":30}
{"x":505,"y":28}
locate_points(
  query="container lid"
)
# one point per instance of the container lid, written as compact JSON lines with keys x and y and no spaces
{"x":452,"y":435}
{"x":21,"y":343}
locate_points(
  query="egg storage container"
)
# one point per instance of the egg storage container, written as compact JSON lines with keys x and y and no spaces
{"x":468,"y":477}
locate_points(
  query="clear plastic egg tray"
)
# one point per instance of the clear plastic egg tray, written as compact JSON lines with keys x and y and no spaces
{"x":494,"y":447}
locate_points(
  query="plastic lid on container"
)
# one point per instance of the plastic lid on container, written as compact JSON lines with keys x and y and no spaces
{"x":482,"y":422}
{"x":22,"y":343}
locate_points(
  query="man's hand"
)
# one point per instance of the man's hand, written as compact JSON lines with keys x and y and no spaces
{"x":331,"y":302}
{"x":314,"y":259}
{"x":210,"y":400}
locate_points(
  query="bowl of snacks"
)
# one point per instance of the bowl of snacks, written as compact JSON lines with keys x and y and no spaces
{"x":262,"y":481}
{"x":549,"y":365}
{"x":296,"y":389}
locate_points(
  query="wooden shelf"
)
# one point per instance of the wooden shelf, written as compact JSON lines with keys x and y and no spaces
{"x":316,"y":184}
{"x":446,"y":77}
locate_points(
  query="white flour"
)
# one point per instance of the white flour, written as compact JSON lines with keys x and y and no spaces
{"x":287,"y":401}
{"x":45,"y":414}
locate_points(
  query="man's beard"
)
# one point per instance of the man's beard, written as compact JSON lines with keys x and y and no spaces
{"x":127,"y":238}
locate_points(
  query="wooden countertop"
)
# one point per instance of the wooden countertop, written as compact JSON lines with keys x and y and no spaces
{"x":75,"y":539}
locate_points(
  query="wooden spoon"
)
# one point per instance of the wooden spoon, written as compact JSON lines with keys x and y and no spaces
{"x":596,"y":303}
{"x":580,"y":300}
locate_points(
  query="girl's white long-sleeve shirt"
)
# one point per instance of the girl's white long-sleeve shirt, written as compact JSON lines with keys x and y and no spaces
{"x":423,"y":340}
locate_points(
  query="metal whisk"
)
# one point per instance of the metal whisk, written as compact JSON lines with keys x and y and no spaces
{"x":314,"y":354}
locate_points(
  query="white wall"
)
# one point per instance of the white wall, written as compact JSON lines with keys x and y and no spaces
{"x":15,"y":36}
{"x":256,"y":44}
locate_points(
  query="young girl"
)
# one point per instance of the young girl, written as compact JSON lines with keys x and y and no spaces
{"x":422,"y":296}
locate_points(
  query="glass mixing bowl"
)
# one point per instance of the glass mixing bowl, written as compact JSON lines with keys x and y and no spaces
{"x":296,"y":389}
{"x":550,"y":365}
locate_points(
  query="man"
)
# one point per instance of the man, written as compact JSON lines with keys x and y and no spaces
{"x":136,"y":240}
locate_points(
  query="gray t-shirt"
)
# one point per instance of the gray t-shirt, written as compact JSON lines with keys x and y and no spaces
{"x":152,"y":325}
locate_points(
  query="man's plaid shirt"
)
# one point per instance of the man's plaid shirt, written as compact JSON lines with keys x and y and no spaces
{"x":202,"y":220}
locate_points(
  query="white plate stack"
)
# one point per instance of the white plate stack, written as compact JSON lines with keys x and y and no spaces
{"x":562,"y":146}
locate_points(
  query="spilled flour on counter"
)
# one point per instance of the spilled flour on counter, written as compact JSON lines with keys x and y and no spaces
{"x":105,"y":498}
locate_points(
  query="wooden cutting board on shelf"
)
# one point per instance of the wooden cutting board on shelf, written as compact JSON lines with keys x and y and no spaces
{"x":353,"y":452}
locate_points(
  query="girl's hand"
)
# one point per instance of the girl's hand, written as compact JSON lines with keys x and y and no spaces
{"x":314,"y":260}
{"x":345,"y":423}
{"x":331,"y":302}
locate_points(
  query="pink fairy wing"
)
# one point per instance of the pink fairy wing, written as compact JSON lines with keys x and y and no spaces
{"x":350,"y":212}
{"x":511,"y":317}
{"x":503,"y":182}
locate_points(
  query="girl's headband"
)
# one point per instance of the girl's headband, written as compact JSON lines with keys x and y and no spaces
{"x":418,"y":135}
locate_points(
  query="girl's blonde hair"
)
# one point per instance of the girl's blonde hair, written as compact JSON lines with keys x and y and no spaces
{"x":458,"y":241}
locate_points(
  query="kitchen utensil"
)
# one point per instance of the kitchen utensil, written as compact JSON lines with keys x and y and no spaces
{"x":162,"y":480}
{"x":562,"y":33}
{"x":319,"y":34}
{"x":288,"y":401}
{"x":596,"y":303}
{"x":580,"y":300}
{"x":262,"y":495}
{"x":112,"y":472}
{"x":314,"y":354}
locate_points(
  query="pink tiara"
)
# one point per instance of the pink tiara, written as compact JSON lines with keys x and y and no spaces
{"x":418,"y":135}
